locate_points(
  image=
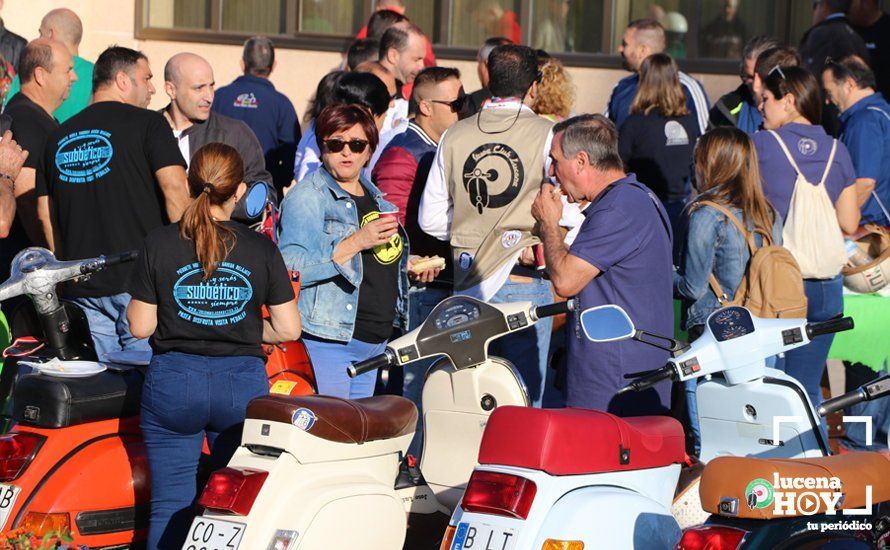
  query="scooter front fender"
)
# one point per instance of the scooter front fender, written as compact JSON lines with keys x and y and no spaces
{"x":609,"y":517}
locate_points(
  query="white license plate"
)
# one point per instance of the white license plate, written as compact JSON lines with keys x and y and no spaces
{"x":8,"y":494}
{"x":481,"y":536}
{"x":214,"y":534}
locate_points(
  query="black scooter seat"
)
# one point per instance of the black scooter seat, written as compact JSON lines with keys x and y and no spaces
{"x":51,"y":402}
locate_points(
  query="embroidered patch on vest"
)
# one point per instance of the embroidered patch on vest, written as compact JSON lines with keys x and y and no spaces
{"x":493,"y":175}
{"x":511,"y":238}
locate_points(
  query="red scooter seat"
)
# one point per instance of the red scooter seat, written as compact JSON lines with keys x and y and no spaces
{"x":579,"y":441}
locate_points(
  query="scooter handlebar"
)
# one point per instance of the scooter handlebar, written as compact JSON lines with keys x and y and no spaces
{"x":646,"y":382}
{"x":555,"y":309}
{"x":123,"y":257}
{"x":376,"y":362}
{"x":842,"y":401}
{"x":829,"y":327}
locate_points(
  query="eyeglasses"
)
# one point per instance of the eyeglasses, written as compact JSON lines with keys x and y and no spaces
{"x":355,"y":145}
{"x":456,"y":105}
{"x":777,"y":69}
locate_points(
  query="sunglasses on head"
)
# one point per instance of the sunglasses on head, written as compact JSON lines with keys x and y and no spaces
{"x":355,"y":145}
{"x":456,"y":106}
{"x":777,"y":69}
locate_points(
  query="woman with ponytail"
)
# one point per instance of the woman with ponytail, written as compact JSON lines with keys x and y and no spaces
{"x":198,"y":290}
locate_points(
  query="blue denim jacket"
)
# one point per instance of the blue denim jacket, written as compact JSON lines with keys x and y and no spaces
{"x":315,"y":216}
{"x":713,"y":244}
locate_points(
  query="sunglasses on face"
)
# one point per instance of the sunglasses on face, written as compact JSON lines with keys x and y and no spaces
{"x":456,"y":106}
{"x":355,"y":145}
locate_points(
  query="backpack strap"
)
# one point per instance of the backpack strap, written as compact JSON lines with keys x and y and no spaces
{"x":722,"y":298}
{"x":830,"y":161}
{"x":787,"y":152}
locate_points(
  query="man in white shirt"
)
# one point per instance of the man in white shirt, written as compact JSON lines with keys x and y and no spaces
{"x":478,"y":196}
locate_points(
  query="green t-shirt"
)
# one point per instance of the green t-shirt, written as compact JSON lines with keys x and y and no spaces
{"x":80,"y":90}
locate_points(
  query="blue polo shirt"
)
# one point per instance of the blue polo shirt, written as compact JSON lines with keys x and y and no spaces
{"x":626,"y":235}
{"x":268,"y":112}
{"x":865,"y":130}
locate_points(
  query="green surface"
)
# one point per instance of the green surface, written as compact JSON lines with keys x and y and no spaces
{"x":869,"y":342}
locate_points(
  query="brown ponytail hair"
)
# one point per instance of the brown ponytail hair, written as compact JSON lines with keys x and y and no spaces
{"x":215,"y":173}
{"x":727,"y":172}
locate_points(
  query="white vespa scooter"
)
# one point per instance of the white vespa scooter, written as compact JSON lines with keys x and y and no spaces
{"x":322,"y":472}
{"x":587,"y":479}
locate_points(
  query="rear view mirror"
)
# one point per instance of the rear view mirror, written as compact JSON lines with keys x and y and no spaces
{"x":606,"y":324}
{"x":256,"y":199}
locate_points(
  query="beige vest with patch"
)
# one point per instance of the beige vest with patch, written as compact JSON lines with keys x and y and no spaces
{"x":494,"y":167}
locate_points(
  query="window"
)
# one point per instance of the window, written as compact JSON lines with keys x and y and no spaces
{"x":707,"y":35}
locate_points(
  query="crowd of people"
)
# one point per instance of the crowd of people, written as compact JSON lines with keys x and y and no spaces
{"x":661,"y":197}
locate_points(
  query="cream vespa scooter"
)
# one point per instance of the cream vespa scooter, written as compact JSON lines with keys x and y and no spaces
{"x":322,"y":472}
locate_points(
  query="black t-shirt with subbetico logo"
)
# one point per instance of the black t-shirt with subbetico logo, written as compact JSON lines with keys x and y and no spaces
{"x":99,"y":172}
{"x":220,"y":316}
{"x":379,"y":290}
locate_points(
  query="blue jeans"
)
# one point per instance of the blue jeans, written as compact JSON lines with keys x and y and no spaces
{"x":186,"y":397}
{"x":330,"y":360}
{"x":825,"y":300}
{"x":528,"y":348}
{"x":107,"y":316}
{"x":879,"y":411}
{"x":421,"y":301}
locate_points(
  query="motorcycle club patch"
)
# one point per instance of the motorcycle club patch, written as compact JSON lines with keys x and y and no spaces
{"x":511,"y":238}
{"x":303,"y":419}
{"x":465,"y":260}
{"x":493,"y":175}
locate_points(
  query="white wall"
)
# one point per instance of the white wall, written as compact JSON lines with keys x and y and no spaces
{"x":109,"y":22}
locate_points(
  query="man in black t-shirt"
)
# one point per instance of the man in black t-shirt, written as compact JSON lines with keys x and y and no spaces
{"x":111,"y":174}
{"x":47,"y":72}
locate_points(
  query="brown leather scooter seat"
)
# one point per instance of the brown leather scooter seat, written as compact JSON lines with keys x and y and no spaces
{"x":340,"y":420}
{"x":727,"y":489}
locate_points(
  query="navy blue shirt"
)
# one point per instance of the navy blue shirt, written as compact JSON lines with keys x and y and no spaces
{"x":865,"y":130}
{"x":271,"y":116}
{"x":624,"y":92}
{"x":626,"y":235}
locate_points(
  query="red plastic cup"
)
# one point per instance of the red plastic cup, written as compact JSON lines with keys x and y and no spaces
{"x":394,"y":214}
{"x":540,"y":263}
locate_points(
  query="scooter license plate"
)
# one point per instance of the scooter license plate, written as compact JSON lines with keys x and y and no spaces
{"x":481,"y":536}
{"x":214,"y":534}
{"x":8,"y":495}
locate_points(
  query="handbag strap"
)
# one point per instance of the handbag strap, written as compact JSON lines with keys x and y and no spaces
{"x":830,"y":162}
{"x":785,"y":149}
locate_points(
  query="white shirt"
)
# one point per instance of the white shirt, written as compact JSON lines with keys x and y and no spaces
{"x":437,"y":209}
{"x":395,"y":123}
{"x":308,"y":157}
{"x":183,"y":142}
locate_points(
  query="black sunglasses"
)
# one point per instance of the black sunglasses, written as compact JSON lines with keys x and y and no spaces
{"x":355,"y":145}
{"x":456,"y":106}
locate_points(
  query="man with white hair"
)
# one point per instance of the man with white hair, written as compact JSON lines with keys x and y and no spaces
{"x":189,"y":83}
{"x":643,"y":38}
{"x":64,"y":25}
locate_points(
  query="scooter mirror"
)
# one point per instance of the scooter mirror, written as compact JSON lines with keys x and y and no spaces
{"x":256,"y":199}
{"x":606,"y":324}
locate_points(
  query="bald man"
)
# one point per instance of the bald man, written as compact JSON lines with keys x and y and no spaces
{"x":641,"y":39}
{"x":189,"y":83}
{"x":47,"y":70}
{"x":64,"y":26}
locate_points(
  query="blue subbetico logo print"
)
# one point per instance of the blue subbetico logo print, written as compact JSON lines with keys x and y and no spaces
{"x":83,"y":157}
{"x":218,"y":301}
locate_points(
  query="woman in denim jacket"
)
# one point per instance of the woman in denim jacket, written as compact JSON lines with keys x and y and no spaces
{"x":726,"y":173}
{"x":352,"y":260}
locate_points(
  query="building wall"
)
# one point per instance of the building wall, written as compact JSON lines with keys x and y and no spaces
{"x":109,"y":22}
